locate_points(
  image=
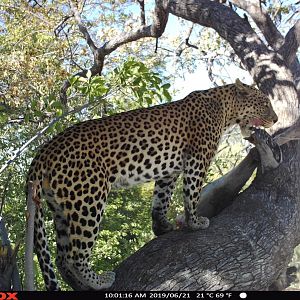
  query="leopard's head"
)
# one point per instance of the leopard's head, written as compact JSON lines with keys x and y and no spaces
{"x":254,"y":109}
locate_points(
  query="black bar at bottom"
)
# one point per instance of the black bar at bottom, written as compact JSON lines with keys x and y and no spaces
{"x":90,"y":295}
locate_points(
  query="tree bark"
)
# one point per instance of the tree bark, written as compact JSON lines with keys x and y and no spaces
{"x":29,"y":267}
{"x":246,"y":247}
{"x":9,"y":274}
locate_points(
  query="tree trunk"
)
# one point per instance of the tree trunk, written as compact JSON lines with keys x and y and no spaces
{"x":246,"y":247}
{"x":9,"y":274}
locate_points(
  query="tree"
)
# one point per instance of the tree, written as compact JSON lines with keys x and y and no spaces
{"x":271,"y":59}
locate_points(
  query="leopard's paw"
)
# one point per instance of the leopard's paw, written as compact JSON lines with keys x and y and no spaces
{"x":196,"y":223}
{"x":162,"y":227}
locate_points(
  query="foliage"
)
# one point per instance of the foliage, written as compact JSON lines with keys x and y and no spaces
{"x":132,"y":85}
{"x":29,"y":102}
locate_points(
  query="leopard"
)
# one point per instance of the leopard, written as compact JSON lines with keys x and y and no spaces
{"x":75,"y":171}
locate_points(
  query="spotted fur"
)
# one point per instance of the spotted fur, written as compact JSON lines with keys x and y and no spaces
{"x":76,"y":170}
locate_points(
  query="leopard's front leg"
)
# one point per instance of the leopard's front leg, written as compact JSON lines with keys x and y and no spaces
{"x":193,"y":176}
{"x":162,"y":196}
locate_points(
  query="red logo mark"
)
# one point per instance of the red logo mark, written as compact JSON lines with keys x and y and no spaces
{"x":8,"y":296}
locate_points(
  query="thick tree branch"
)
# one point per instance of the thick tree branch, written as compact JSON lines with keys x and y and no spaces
{"x":263,"y":21}
{"x":291,"y":43}
{"x":273,"y":36}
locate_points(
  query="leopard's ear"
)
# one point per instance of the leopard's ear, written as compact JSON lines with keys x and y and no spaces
{"x":242,"y":89}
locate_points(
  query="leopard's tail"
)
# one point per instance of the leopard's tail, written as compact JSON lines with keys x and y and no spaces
{"x":41,"y":246}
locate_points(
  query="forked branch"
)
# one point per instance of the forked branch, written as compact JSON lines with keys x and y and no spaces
{"x":154,"y":30}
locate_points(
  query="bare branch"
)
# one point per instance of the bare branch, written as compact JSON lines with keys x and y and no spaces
{"x":154,"y":30}
{"x":209,"y":66}
{"x":34,"y":3}
{"x":83,"y":28}
{"x":7,"y":182}
{"x":71,"y":50}
{"x":61,"y":26}
{"x":30,"y":213}
{"x":186,"y":42}
{"x":142,"y":7}
{"x":156,"y":45}
{"x":291,"y":43}
{"x":188,"y":37}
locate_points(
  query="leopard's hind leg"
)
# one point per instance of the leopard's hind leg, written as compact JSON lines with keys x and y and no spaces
{"x":77,"y":213}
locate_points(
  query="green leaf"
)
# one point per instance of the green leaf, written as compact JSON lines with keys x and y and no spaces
{"x":136,"y":81}
{"x":98,"y":80}
{"x":57,"y":105}
{"x":33,"y":104}
{"x":27,"y":118}
{"x":73,"y":80}
{"x":148,"y":100}
{"x":167,"y":95}
{"x":166,"y":86}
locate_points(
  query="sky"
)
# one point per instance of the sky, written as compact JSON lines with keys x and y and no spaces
{"x":199,"y":79}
